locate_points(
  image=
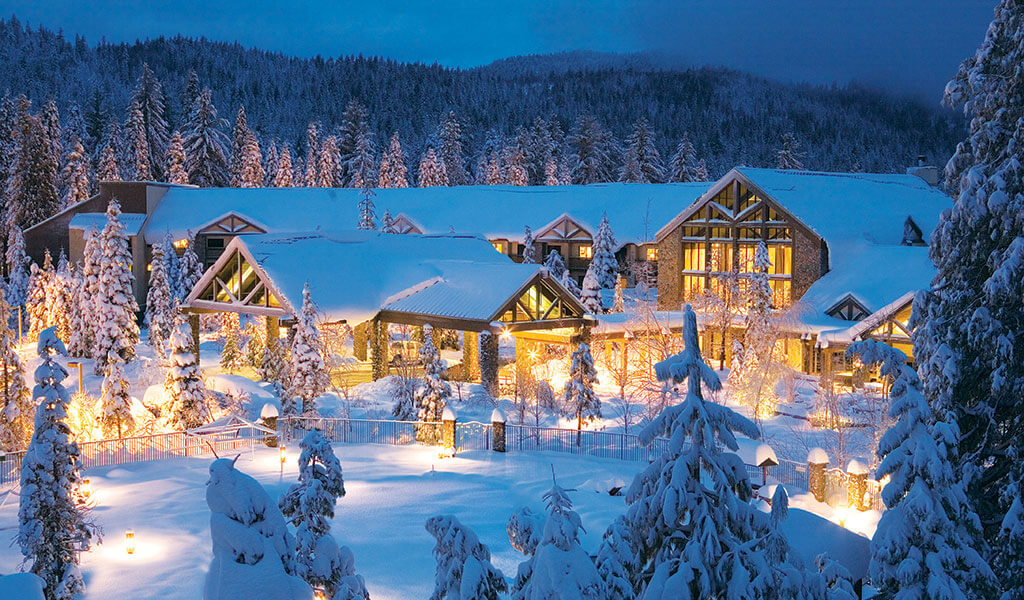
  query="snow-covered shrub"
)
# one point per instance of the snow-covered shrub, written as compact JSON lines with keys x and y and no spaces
{"x":616,"y":562}
{"x":464,"y":569}
{"x":184,"y":382}
{"x":524,"y":529}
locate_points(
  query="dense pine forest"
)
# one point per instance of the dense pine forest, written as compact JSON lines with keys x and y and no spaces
{"x":731,"y":118}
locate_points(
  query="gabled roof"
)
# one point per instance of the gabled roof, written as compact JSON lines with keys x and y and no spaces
{"x":353,"y":275}
{"x":132,"y":221}
{"x":497,"y":211}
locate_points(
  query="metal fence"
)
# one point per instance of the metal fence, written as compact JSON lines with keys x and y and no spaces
{"x":601,"y":444}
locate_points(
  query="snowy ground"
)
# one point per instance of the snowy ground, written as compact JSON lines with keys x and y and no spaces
{"x":391,"y":493}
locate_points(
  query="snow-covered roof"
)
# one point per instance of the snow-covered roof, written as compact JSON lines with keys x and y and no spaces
{"x":810,"y":535}
{"x":352,"y":275}
{"x":132,"y":221}
{"x":635,"y":211}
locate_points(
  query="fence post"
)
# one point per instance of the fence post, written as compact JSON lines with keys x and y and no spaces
{"x":498,"y":424}
{"x":268,"y":414}
{"x":857,"y":485}
{"x":448,"y":430}
{"x":817,"y":462}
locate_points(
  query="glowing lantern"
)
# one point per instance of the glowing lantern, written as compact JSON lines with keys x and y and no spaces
{"x":284,"y":457}
{"x":506,"y":334}
{"x":181,"y":244}
{"x":85,"y":488}
{"x":319,"y":595}
{"x":129,"y":541}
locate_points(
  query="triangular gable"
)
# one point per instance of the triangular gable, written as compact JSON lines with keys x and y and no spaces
{"x":541,"y":298}
{"x":564,"y":227}
{"x":231,"y":223}
{"x":890,"y":321}
{"x":849,"y":308}
{"x":236,"y":283}
{"x":403,"y":224}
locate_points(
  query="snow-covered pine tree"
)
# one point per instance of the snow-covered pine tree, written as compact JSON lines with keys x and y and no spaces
{"x":432,"y":171}
{"x":312,"y":151}
{"x":781,"y":576}
{"x":835,"y":579}
{"x":618,"y":302}
{"x":926,"y":539}
{"x":61,"y":297}
{"x":107,"y":170}
{"x":275,"y":365}
{"x":171,"y":268}
{"x":76,"y":175}
{"x":309,"y":506}
{"x":435,"y":391}
{"x":250,"y":172}
{"x":206,"y":144}
{"x":35,"y":303}
{"x":15,"y":396}
{"x":399,"y":175}
{"x":687,"y":528}
{"x":116,"y":329}
{"x":616,"y":562}
{"x":50,"y":120}
{"x":604,"y":255}
{"x":529,"y":251}
{"x":116,"y":400}
{"x":592,"y":148}
{"x":789,"y":155}
{"x":138,"y":143}
{"x":404,"y":393}
{"x":255,"y":344}
{"x":238,"y":137}
{"x":1009,"y":562}
{"x":551,"y":172}
{"x":17,"y":269}
{"x":231,"y":353}
{"x":581,"y":401}
{"x":387,"y":223}
{"x":516,"y":170}
{"x":190,"y":270}
{"x":464,"y":570}
{"x":283,"y":177}
{"x":570,"y":284}
{"x":328,"y":164}
{"x":756,"y":386}
{"x":84,"y":345}
{"x":309,"y":377}
{"x":271,"y":163}
{"x":494,"y":170}
{"x":560,"y":567}
{"x":253,"y":553}
{"x":642,"y":163}
{"x":52,"y":528}
{"x":32,"y":191}
{"x":683,"y":166}
{"x":356,"y":146}
{"x":968,"y":327}
{"x":367,"y":211}
{"x":159,"y":303}
{"x":81,"y":308}
{"x":175,"y":160}
{"x":149,"y":96}
{"x":184,"y":382}
{"x":590,"y":296}
{"x":451,"y":152}
{"x":555,"y":265}
{"x":701,"y":173}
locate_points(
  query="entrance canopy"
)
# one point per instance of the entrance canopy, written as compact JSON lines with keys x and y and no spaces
{"x":448,"y":281}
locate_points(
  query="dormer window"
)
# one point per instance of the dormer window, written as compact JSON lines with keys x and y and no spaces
{"x":912,"y":234}
{"x":848,"y":309}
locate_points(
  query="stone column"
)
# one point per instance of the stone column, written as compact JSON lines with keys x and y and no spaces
{"x":489,"y":362}
{"x":268,"y":414}
{"x":857,"y":484}
{"x":498,"y":427}
{"x":524,"y":364}
{"x":471,"y":354}
{"x":359,"y":341}
{"x":448,"y":430}
{"x":193,"y":322}
{"x":273,"y":327}
{"x":378,"y":331}
{"x":817,"y":462}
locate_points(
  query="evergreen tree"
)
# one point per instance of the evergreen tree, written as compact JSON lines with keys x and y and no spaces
{"x":312,"y":151}
{"x":172,"y":271}
{"x":494,"y":170}
{"x":387,"y":223}
{"x":231,"y":352}
{"x":271,"y":163}
{"x":701,"y":174}
{"x":35,"y":304}
{"x":618,"y":303}
{"x":570,"y":284}
{"x":60,"y":297}
{"x":49,"y":118}
{"x":604,"y":256}
{"x":559,"y":568}
{"x":251,"y":171}
{"x":81,"y":307}
{"x":184,"y":382}
{"x":309,"y":378}
{"x":580,"y":400}
{"x":529,"y":251}
{"x":116,"y":401}
{"x":76,"y":176}
{"x":781,"y":575}
{"x":206,"y":144}
{"x":116,"y":329}
{"x":451,"y":153}
{"x":555,"y":265}
{"x":52,"y":529}
{"x":924,"y":545}
{"x":84,"y":338}
{"x":328,"y":165}
{"x":367,"y":211}
{"x":968,"y":326}
{"x":355,"y":145}
{"x":789,"y":155}
{"x":591,"y":292}
{"x":615,"y":561}
{"x":642,"y":163}
{"x":551,"y":173}
{"x":239,"y":136}
{"x":516,"y":170}
{"x":15,"y":396}
{"x":108,"y":169}
{"x":683,"y":166}
{"x":175,"y":161}
{"x":159,"y":303}
{"x":464,"y":569}
{"x":283,"y":177}
{"x":689,"y":508}
{"x":149,"y":97}
{"x":17,"y":269}
{"x":190,"y":270}
{"x":32,"y":191}
{"x":309,"y":506}
{"x":591,"y":148}
{"x":139,"y":144}
{"x":435,"y":391}
{"x":432,"y":171}
{"x":255,"y":345}
{"x":393,"y":173}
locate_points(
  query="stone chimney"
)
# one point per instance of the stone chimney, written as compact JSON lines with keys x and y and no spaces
{"x":929,"y":173}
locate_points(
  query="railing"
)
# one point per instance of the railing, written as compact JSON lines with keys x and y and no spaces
{"x":601,"y":444}
{"x":160,"y":446}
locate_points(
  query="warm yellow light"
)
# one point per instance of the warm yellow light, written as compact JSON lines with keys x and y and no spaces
{"x":506,"y":334}
{"x":532,"y":354}
{"x":497,"y":246}
{"x":319,"y":595}
{"x":129,"y":541}
{"x":181,"y":244}
{"x":85,"y":488}
{"x":586,"y":252}
{"x":284,"y":455}
{"x":652,"y":254}
{"x":149,"y":267}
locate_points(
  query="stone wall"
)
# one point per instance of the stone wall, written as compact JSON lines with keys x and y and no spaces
{"x":810,"y":261}
{"x":670,"y":271}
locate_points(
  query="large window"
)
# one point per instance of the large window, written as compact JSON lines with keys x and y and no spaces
{"x":694,"y":256}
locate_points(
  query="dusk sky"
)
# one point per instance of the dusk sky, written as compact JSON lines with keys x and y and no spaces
{"x":902,"y":45}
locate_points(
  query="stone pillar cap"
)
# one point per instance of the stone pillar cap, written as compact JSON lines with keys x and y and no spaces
{"x":448,"y":414}
{"x":269,"y":411}
{"x":817,"y":456}
{"x":497,"y":416}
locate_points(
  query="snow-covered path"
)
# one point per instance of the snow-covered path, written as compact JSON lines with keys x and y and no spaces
{"x":390,"y":494}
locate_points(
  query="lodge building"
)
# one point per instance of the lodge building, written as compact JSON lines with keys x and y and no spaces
{"x":847,"y":249}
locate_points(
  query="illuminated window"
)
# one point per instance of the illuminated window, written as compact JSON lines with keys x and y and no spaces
{"x":694,"y":256}
{"x":780,"y":292}
{"x":781,"y":256}
{"x":721,"y":256}
{"x":586,"y":251}
{"x":746,"y":254}
{"x":181,"y":244}
{"x":693,"y":286}
{"x":652,"y":254}
{"x":691,"y":232}
{"x":499,"y":246}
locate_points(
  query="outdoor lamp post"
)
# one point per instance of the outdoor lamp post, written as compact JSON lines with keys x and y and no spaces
{"x":86,"y":488}
{"x":129,"y":541}
{"x":284,"y":457}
